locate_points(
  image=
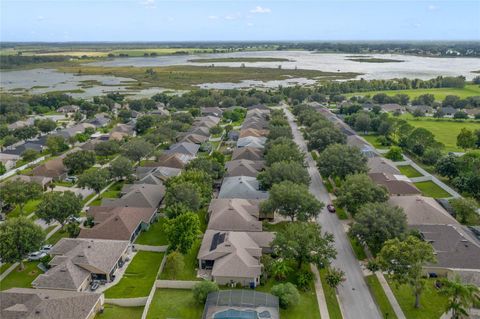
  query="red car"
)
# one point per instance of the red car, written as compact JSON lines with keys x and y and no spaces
{"x":331,"y":208}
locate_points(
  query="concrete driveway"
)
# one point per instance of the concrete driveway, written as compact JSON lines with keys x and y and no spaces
{"x":355,"y":299}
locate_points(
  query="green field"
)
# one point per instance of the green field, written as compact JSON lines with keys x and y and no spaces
{"x":440,"y":94}
{"x":430,"y":189}
{"x":174,"y":303}
{"x":117,"y":312}
{"x":445,"y":131}
{"x":409,"y":171}
{"x":21,"y":279}
{"x":155,"y":235}
{"x":139,"y":276}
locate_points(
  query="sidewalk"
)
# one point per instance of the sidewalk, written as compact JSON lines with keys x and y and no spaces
{"x":391,"y":297}
{"x":322,"y":303}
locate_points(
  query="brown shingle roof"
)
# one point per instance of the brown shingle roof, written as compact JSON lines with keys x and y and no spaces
{"x":244,"y":167}
{"x":393,"y":185}
{"x":248,"y":153}
{"x":234,"y":214}
{"x":53,"y":168}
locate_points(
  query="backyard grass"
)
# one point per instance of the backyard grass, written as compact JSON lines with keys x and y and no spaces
{"x":57,"y":236}
{"x":357,"y":248}
{"x":21,"y":279}
{"x":174,"y":303}
{"x":275,"y":227}
{"x":372,"y":139}
{"x":4,"y":267}
{"x":432,"y":304}
{"x":380,"y":297}
{"x":189,"y":272}
{"x":409,"y":171}
{"x":445,"y":130}
{"x":155,"y":235}
{"x":439,"y":93}
{"x":29,"y":208}
{"x":139,"y":276}
{"x":430,"y":189}
{"x":330,"y":297}
{"x":117,"y":312}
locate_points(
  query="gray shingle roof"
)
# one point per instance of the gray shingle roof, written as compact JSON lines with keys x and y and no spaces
{"x":241,"y":187}
{"x":138,"y":195}
{"x":234,"y":214}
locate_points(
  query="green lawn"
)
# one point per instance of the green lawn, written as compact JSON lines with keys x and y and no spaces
{"x":191,"y":263}
{"x":155,"y":235}
{"x":29,"y":208}
{"x":4,"y":267}
{"x":57,"y":236}
{"x":445,"y":130}
{"x":174,"y":303}
{"x":21,"y":279}
{"x":372,"y":139}
{"x":430,"y":189}
{"x":357,"y":248}
{"x":380,"y":297}
{"x":139,"y":276}
{"x":409,"y":171}
{"x":117,"y":312}
{"x":440,"y":93}
{"x":331,"y":297}
{"x":341,"y":213}
{"x":275,"y":227}
{"x":432,"y":304}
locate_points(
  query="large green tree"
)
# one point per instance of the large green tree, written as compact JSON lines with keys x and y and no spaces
{"x":183,"y":231}
{"x":461,"y":297}
{"x":284,"y":171}
{"x":185,"y":194}
{"x":404,"y":261}
{"x":56,"y":144}
{"x":209,"y":165}
{"x":293,"y":201}
{"x":320,"y":139}
{"x":78,"y":162}
{"x":375,"y":223}
{"x":358,"y":190}
{"x":303,"y":242}
{"x":19,"y":192}
{"x":19,"y":237}
{"x":95,"y":178}
{"x":59,"y":206}
{"x":137,"y":149}
{"x":465,"y":210}
{"x":466,"y":139}
{"x":284,"y":152}
{"x":121,"y":167}
{"x":339,"y":160}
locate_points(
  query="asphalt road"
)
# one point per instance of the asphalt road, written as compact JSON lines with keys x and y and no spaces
{"x":355,"y":299}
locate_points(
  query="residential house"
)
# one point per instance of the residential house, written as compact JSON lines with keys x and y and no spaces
{"x":185,"y":148}
{"x":234,"y":214}
{"x":175,"y":160}
{"x":392,"y":107}
{"x":362,"y":145}
{"x":9,"y":161}
{"x":248,"y":153}
{"x":68,"y":109}
{"x":21,"y":124}
{"x":448,"y":111}
{"x":53,"y":168}
{"x":43,"y":181}
{"x":100,"y":120}
{"x":379,"y":164}
{"x":421,"y":210}
{"x":161,"y":172}
{"x":138,"y":195}
{"x":253,"y":132}
{"x":396,"y":185}
{"x":118,"y":223}
{"x":250,"y":141}
{"x":423,"y":108}
{"x":472,"y":112}
{"x":77,"y":262}
{"x":456,"y":254}
{"x":194,"y":138}
{"x":200,"y":130}
{"x":255,"y":124}
{"x":30,"y":303}
{"x":213,"y":111}
{"x":74,"y":130}
{"x":244,"y":168}
{"x":241,"y":187}
{"x":229,"y":257}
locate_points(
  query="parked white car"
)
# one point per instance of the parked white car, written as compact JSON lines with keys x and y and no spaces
{"x":36,"y":255}
{"x":46,"y":248}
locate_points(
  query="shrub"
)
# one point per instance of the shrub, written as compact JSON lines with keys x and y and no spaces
{"x":394,"y":154}
{"x":287,"y":294}
{"x":304,"y":279}
{"x":202,"y":289}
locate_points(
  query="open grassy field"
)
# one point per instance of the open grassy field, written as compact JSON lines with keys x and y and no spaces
{"x":445,"y":130}
{"x":440,"y":94}
{"x":117,"y":312}
{"x":409,"y":171}
{"x":186,"y":77}
{"x":155,"y":235}
{"x":191,"y":263}
{"x":430,"y":189}
{"x":139,"y":276}
{"x":432,"y":303}
{"x":21,"y":279}
{"x":380,"y":297}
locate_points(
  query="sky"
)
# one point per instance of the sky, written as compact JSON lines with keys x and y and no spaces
{"x":240,"y":20}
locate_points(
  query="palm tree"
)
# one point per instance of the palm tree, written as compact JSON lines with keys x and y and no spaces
{"x":281,"y":269}
{"x":461,"y":297}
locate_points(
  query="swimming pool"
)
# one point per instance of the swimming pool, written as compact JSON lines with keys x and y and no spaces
{"x":241,"y":314}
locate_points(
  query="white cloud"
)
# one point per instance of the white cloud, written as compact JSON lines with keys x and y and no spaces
{"x":212,"y":17}
{"x":432,"y":7}
{"x":259,"y":9}
{"x":249,"y":24}
{"x":149,"y":3}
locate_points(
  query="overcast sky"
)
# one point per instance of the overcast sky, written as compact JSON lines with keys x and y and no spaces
{"x":198,"y":20}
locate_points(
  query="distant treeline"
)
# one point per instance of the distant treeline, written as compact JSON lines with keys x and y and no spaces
{"x":396,"y":84}
{"x":12,"y":61}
